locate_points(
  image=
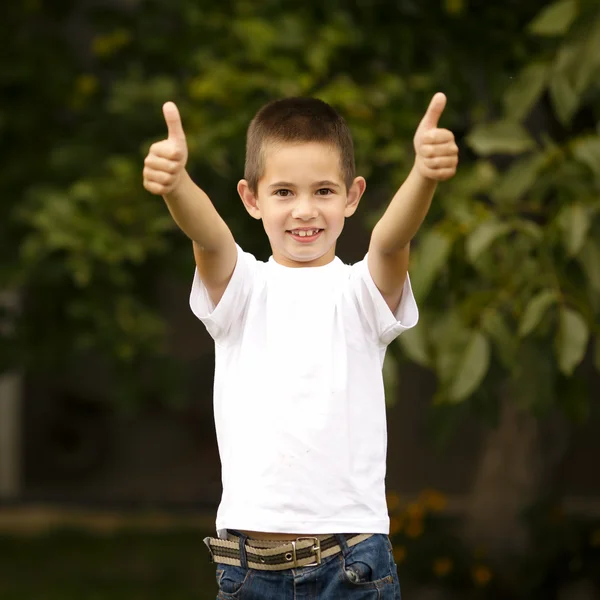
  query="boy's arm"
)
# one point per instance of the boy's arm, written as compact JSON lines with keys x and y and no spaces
{"x":436,"y":160}
{"x":165,"y":175}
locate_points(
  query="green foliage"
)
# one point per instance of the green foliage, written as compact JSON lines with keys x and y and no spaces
{"x":535,"y":311}
{"x":516,"y":298}
{"x":472,"y":367}
{"x":504,"y":137}
{"x":87,"y":247}
{"x":555,"y":19}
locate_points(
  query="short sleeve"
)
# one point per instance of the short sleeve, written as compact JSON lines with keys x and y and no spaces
{"x":383,"y":323}
{"x":232,"y":306}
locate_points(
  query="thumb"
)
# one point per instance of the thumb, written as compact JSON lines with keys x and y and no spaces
{"x":434,"y":112}
{"x":173,"y":120}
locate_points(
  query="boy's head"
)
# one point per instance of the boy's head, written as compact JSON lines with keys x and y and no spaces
{"x":297,"y":121}
{"x":300,"y":178}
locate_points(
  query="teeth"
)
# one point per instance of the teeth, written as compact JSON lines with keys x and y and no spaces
{"x":305,"y":232}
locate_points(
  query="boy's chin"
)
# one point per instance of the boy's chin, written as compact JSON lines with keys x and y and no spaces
{"x":310,"y":257}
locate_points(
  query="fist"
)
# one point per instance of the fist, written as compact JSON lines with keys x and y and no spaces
{"x":166,"y":160}
{"x":435,"y":149}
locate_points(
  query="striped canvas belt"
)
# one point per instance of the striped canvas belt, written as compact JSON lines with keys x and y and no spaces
{"x":276,"y":555}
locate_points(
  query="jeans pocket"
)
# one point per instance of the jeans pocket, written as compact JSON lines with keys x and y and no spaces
{"x":232,"y":580}
{"x":369,"y":564}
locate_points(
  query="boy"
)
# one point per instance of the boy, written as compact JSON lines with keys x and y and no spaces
{"x":299,"y":344}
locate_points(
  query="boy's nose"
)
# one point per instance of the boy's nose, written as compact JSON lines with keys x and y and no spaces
{"x":304,"y":209}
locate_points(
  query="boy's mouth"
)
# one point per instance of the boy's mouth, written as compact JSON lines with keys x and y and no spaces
{"x":305,"y":235}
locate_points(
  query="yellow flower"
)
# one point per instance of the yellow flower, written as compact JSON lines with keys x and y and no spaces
{"x":395,"y":525}
{"x":399,"y":554}
{"x":107,"y":45}
{"x":595,"y":538}
{"x":414,"y":529}
{"x":434,"y":500}
{"x":85,"y":85}
{"x":415,"y":511}
{"x":454,"y":7}
{"x":481,"y":575}
{"x":393,"y":501}
{"x":442,"y":566}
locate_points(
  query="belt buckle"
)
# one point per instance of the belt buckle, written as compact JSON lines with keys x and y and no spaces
{"x":316,"y":549}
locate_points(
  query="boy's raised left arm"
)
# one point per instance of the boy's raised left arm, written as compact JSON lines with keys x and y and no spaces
{"x":436,"y":159}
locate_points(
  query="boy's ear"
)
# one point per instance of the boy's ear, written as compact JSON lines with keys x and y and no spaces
{"x":249,"y":199}
{"x":357,"y":189}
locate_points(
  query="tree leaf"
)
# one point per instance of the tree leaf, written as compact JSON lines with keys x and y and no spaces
{"x":520,"y":178}
{"x":482,"y":237}
{"x":555,"y":19}
{"x":502,"y":137}
{"x":494,"y":325}
{"x":432,"y":253}
{"x":586,"y":68}
{"x":574,"y":223}
{"x":567,"y":56}
{"x":530,"y":229}
{"x":564,"y":98}
{"x":472,"y":367}
{"x":587,"y":151}
{"x":535,"y":311}
{"x":572,"y":339}
{"x":414,"y":345}
{"x":526,"y":89}
{"x":448,"y":337}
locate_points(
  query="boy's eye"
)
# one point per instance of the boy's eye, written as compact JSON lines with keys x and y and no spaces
{"x":283,"y":193}
{"x":324,"y":192}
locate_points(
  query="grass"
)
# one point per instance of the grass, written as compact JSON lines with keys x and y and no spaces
{"x":72,"y":565}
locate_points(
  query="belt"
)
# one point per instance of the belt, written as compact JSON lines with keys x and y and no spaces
{"x":266,"y":555}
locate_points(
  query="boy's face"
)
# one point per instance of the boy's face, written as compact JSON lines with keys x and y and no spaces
{"x":303,"y":202}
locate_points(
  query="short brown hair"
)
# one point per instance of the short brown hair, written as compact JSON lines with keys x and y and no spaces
{"x":297,"y":120}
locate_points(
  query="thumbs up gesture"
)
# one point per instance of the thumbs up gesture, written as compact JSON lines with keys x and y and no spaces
{"x":166,"y":159}
{"x":436,"y":151}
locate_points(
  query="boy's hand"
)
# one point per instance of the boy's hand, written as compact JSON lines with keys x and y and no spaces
{"x":166,"y":160}
{"x":436,"y":151}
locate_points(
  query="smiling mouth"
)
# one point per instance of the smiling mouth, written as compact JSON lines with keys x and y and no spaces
{"x":304,"y":232}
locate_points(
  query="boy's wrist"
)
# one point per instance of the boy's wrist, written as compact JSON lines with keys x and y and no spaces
{"x":180,"y":185}
{"x":420,"y":173}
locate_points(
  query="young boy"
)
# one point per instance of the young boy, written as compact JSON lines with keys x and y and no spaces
{"x":299,"y":342}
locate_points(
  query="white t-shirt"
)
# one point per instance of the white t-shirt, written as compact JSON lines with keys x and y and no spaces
{"x":298,"y":395}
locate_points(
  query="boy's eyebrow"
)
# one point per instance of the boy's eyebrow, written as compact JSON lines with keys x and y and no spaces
{"x":281,"y":184}
{"x":317,"y":183}
{"x":327,"y":182}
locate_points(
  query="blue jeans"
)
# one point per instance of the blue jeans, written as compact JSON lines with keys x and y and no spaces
{"x":364,"y":572}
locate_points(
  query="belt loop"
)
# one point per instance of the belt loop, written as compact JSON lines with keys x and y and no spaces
{"x":243,"y":557}
{"x":341,"y":540}
{"x":242,"y":538}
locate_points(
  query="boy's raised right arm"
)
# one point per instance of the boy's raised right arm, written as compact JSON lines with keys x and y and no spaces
{"x":165,"y":175}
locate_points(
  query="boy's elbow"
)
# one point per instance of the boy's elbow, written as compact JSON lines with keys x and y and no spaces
{"x":384,"y":243}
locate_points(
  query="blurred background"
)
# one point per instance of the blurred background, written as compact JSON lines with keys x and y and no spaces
{"x":109,"y":472}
